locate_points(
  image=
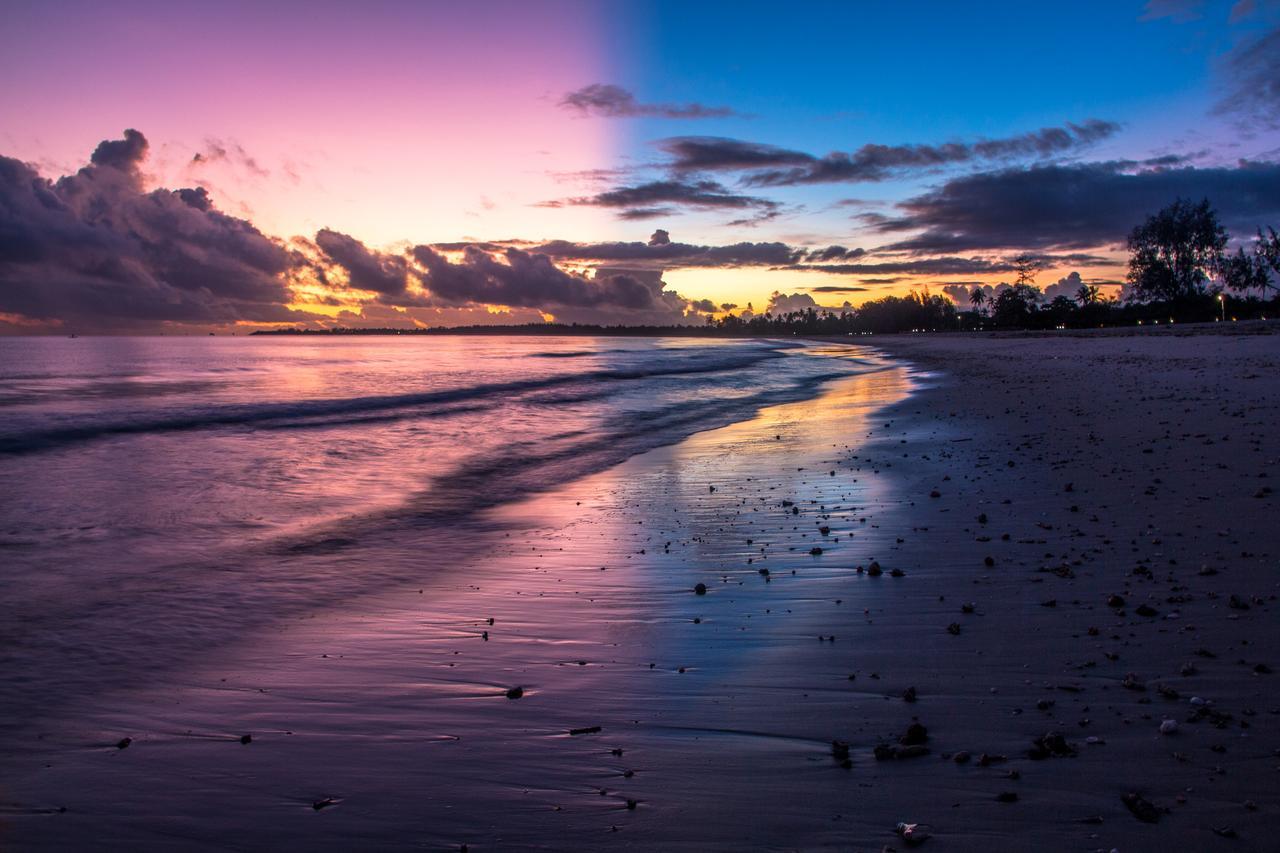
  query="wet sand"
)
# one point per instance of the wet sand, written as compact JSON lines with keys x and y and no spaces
{"x":1103,"y":466}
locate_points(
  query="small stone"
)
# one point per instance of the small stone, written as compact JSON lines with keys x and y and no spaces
{"x":1168,"y":727}
{"x":915,"y":733}
{"x":1140,"y":808}
{"x":700,"y":589}
{"x":515,"y":692}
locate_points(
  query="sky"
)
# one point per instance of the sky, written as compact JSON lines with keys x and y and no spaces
{"x":171,"y":167}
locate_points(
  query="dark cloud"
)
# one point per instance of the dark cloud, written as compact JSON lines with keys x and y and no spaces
{"x":833,"y":253}
{"x":1252,"y":72}
{"x":1075,"y":206}
{"x":671,"y":255}
{"x":706,"y":306}
{"x":684,"y":193}
{"x":608,"y":101}
{"x":836,"y":288}
{"x":659,"y":238}
{"x":638,"y":214}
{"x":96,"y":252}
{"x":385,"y":274}
{"x":879,"y":162}
{"x":656,"y":198}
{"x":715,"y":153}
{"x":949,"y":265}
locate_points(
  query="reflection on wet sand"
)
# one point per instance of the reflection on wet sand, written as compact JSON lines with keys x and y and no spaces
{"x":397,"y":721}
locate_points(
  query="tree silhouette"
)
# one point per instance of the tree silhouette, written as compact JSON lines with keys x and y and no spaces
{"x":1087,"y":294}
{"x":977,"y":298}
{"x":1015,"y":307}
{"x":1174,"y":253}
{"x":1027,"y":267}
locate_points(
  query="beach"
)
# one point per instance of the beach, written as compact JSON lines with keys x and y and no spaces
{"x":962,"y":584}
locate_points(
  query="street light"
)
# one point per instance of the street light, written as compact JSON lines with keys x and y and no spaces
{"x":1223,"y":305}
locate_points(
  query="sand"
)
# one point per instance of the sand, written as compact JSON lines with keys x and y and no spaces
{"x":1129,"y":466}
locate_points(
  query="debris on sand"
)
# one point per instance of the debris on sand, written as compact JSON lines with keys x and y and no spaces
{"x":1049,"y":745}
{"x":515,"y":692}
{"x":586,"y":730}
{"x":1142,"y":809}
{"x":915,"y":733}
{"x":914,"y":834}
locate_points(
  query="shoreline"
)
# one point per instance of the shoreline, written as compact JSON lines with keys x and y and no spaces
{"x":408,"y":730}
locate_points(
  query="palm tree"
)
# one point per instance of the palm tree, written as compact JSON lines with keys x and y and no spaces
{"x":1087,"y":294}
{"x":977,"y":298}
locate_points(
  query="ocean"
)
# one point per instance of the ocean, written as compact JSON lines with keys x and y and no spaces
{"x":163,"y":495}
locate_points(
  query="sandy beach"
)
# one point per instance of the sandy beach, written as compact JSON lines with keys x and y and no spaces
{"x":1017,"y":590}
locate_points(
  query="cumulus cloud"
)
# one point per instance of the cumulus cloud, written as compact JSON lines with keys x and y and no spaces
{"x":526,"y":279}
{"x":786,"y":303}
{"x":1074,"y":206}
{"x":610,"y":101}
{"x":961,"y":292}
{"x":384,"y":274}
{"x":1066,"y":286}
{"x":95,"y":250}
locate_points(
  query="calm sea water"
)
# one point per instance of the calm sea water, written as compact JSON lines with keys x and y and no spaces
{"x":161,"y":494}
